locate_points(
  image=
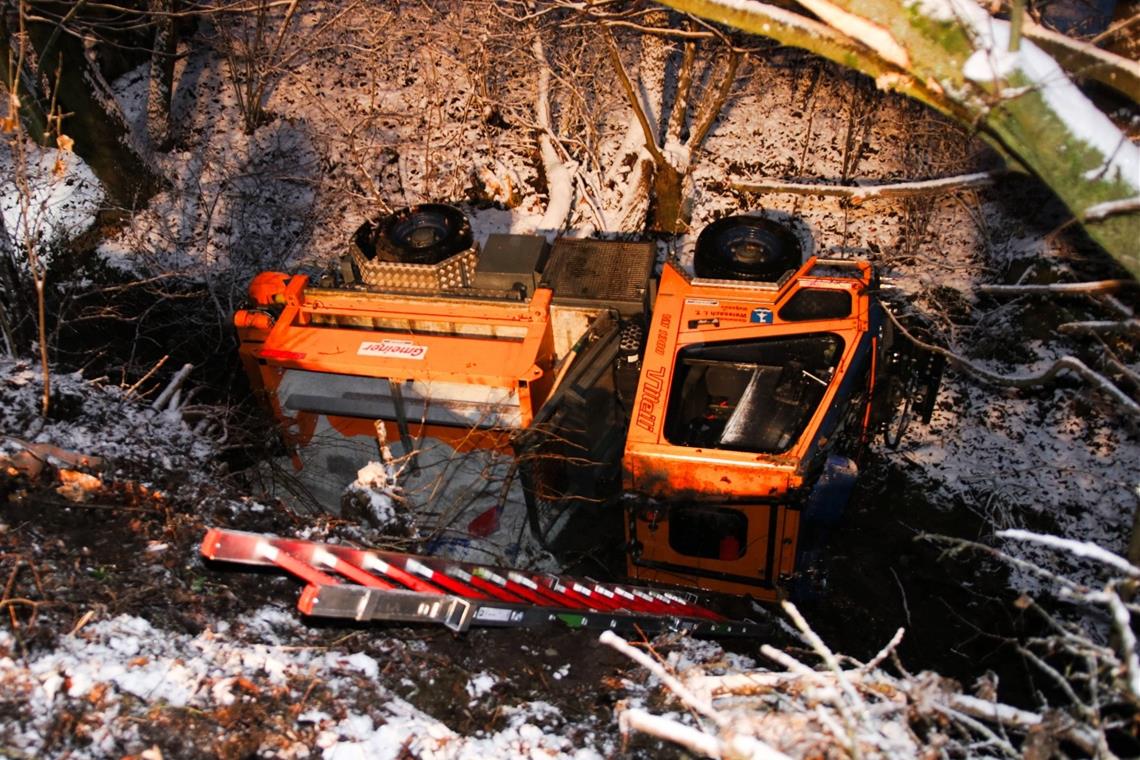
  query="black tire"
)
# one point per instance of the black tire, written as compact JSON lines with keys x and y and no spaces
{"x":424,"y":234}
{"x":751,"y":248}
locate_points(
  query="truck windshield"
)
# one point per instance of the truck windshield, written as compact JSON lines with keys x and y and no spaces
{"x":753,"y":395}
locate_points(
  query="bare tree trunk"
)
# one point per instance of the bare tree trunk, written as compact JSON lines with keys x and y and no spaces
{"x":672,"y":133}
{"x":92,"y":119}
{"x":668,"y":200}
{"x":161,"y":80}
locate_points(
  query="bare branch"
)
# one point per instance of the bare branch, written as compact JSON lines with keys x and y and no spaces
{"x":1070,"y":363}
{"x":1054,"y":288}
{"x":1122,"y":327}
{"x":1085,"y":549}
{"x":169,"y":394}
{"x":713,"y":106}
{"x":684,"y":88}
{"x":634,"y":100}
{"x":559,"y":182}
{"x":1122,"y":624}
{"x":885,"y":652}
{"x":692,"y":739}
{"x":703,"y":706}
{"x":1108,"y":208}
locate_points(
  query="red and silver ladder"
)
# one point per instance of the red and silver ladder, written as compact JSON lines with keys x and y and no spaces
{"x":359,"y":584}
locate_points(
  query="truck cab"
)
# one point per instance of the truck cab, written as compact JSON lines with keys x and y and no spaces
{"x":749,"y":392}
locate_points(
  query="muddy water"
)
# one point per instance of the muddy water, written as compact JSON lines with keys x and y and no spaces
{"x":880,"y":574}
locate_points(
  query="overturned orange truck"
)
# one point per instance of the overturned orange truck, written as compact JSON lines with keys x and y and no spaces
{"x":717,"y":406}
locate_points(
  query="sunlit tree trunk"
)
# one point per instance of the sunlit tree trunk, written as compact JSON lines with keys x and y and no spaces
{"x":161,"y":80}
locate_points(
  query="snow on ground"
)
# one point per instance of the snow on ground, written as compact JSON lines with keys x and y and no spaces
{"x":99,"y":419}
{"x":62,"y":199}
{"x":384,"y":116}
{"x":369,"y":120}
{"x":1071,"y":468}
{"x":113,"y":673}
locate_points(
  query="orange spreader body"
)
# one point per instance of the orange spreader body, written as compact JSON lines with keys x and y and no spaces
{"x":483,"y":362}
{"x":744,"y":390}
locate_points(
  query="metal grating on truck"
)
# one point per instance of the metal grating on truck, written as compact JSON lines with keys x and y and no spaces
{"x":593,"y":272}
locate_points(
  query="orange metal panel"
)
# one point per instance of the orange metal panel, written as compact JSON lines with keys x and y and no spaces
{"x":745,"y":575}
{"x":687,"y":314}
{"x":468,"y":344}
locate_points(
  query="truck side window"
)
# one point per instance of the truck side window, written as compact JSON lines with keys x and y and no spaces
{"x":710,"y":532}
{"x":816,"y":303}
{"x":753,"y":395}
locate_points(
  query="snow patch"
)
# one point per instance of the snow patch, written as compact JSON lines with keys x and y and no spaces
{"x":63,"y":194}
{"x":117,"y":670}
{"x":376,"y":488}
{"x":106,"y":421}
{"x":480,"y":684}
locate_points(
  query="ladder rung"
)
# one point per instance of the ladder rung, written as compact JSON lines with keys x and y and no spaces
{"x":377,"y":565}
{"x":289,"y":563}
{"x":350,"y":571}
{"x":446,"y":581}
{"x":553,"y":597}
{"x":494,"y":589}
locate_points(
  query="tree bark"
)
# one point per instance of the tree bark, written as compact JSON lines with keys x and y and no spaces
{"x":91,"y":117}
{"x":160,"y":82}
{"x":668,"y":200}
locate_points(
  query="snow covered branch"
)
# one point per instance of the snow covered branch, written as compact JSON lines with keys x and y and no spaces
{"x":1094,"y":674}
{"x":1022,"y":99}
{"x":1104,"y":210}
{"x":168,"y":399}
{"x":860,"y":711}
{"x":1054,"y":288}
{"x":559,"y":182}
{"x":1086,"y":60}
{"x":862,"y":191}
{"x":1083,"y":549}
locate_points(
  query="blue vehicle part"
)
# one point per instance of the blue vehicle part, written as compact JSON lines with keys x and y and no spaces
{"x":821,"y":512}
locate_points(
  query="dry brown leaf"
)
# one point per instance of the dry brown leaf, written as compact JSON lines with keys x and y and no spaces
{"x":77,"y":486}
{"x":247,"y":686}
{"x":95,"y":696}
